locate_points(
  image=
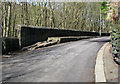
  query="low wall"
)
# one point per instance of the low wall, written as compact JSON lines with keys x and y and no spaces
{"x":30,"y":35}
{"x":9,"y":44}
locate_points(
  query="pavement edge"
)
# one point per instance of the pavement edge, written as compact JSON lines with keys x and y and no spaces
{"x":99,"y":66}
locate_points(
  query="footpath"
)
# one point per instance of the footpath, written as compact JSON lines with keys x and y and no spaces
{"x":106,"y":70}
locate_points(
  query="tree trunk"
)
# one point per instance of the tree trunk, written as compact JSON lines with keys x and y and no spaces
{"x":9,"y":20}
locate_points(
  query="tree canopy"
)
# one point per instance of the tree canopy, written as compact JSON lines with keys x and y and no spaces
{"x":84,"y":16}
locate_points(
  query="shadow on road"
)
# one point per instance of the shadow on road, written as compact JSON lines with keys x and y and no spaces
{"x":99,"y":40}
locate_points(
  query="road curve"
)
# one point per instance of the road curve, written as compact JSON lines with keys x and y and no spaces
{"x":67,"y":62}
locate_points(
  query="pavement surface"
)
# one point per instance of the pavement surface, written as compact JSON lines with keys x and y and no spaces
{"x":110,"y":67}
{"x":67,"y":62}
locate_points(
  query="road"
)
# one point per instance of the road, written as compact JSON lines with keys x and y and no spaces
{"x":67,"y":62}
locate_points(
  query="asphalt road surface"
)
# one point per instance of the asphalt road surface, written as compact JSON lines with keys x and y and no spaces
{"x":67,"y":62}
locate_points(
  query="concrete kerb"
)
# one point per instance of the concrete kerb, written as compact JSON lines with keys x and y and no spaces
{"x":99,"y":66}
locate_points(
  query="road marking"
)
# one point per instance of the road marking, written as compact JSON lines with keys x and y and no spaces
{"x":99,"y":67}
